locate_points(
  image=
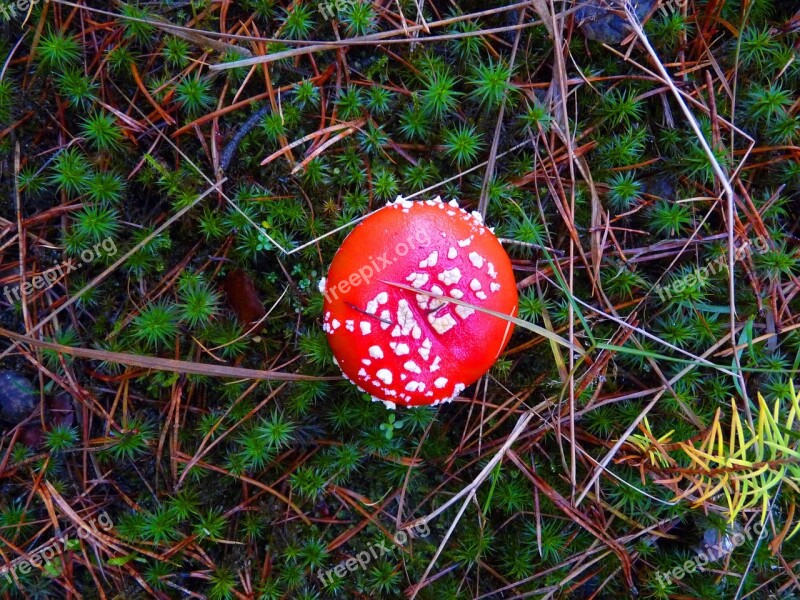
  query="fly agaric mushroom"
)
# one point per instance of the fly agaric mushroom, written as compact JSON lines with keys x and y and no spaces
{"x":411,"y":348}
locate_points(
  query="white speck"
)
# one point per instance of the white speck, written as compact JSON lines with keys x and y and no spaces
{"x":375,"y":382}
{"x":403,"y":376}
{"x":457,"y":293}
{"x":350,"y":325}
{"x":465,"y":242}
{"x":412,"y":366}
{"x":405,"y":317}
{"x":413,"y":386}
{"x":425,"y":349}
{"x":492,"y":272}
{"x":440,"y":382}
{"x":322,"y":283}
{"x":442,"y":324}
{"x":366,"y":361}
{"x":363,"y":373}
{"x":476,"y":260}
{"x":385,"y":375}
{"x":402,"y":349}
{"x":478,"y":216}
{"x":453,"y":203}
{"x":366,"y":327}
{"x":481,"y":295}
{"x":416,"y":332}
{"x":335,"y":324}
{"x":459,"y":387}
{"x":451,"y":213}
{"x":464,"y":311}
{"x":450,"y":276}
{"x":435,"y":364}
{"x":387,"y":403}
{"x":452,"y":253}
{"x":375,"y":352}
{"x":474,"y":285}
{"x":418,"y":279}
{"x":443,"y":234}
{"x":397,"y":332}
{"x":406,"y":203}
{"x":422,"y":301}
{"x":382,"y":298}
{"x":494,"y":286}
{"x":372,"y":307}
{"x":431,"y":261}
{"x":386,"y":319}
{"x":435,"y":303}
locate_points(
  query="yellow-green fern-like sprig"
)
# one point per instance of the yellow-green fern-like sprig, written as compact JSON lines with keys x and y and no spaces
{"x":743,"y":464}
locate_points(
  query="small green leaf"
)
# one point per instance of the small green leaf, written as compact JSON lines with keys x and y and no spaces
{"x":119,"y":561}
{"x":53,"y":567}
{"x":73,"y":544}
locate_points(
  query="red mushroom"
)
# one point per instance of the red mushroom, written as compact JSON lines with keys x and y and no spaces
{"x":411,"y":348}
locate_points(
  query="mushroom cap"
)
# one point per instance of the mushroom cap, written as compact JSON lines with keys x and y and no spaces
{"x":414,"y":349}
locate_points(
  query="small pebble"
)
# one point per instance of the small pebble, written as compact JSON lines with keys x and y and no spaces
{"x":599,"y":23}
{"x":18,"y":398}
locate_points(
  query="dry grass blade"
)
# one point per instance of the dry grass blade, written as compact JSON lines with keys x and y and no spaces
{"x":553,"y":337}
{"x":161,"y":364}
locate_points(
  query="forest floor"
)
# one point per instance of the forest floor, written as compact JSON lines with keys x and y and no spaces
{"x":176,"y":177}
